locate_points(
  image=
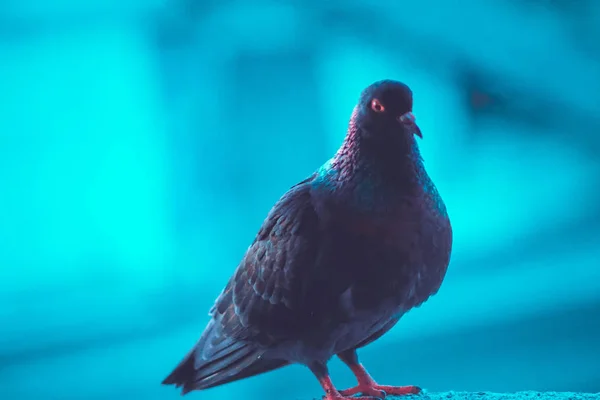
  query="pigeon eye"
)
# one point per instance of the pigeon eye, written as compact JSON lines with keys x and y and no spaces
{"x":377,"y":106}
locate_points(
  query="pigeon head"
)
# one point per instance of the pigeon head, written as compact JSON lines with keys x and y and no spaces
{"x":384,"y":111}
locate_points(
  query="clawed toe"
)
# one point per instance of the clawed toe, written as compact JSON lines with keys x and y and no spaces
{"x":365,"y":391}
{"x":341,"y":396}
{"x":379,"y":391}
{"x":399,"y":390}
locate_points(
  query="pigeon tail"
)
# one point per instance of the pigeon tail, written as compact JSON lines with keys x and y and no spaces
{"x":208,"y":365}
{"x":240,"y":364}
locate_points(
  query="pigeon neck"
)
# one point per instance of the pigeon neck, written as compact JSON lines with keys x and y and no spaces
{"x":398,"y":164}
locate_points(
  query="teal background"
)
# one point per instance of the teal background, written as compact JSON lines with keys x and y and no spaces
{"x":143,"y":142}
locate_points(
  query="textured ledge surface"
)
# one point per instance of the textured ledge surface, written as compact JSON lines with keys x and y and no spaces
{"x":501,"y":396}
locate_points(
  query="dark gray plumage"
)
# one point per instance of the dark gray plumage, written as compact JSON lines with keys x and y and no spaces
{"x":338,"y":260}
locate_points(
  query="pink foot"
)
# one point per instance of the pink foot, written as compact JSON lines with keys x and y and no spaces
{"x":339,"y":396}
{"x":370,"y":391}
{"x":399,"y":390}
{"x":380,"y":391}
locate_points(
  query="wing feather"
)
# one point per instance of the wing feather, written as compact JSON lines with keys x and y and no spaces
{"x":262,"y":303}
{"x":268,"y":288}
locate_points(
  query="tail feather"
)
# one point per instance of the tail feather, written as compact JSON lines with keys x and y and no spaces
{"x":259,"y":367}
{"x":215,"y":373}
{"x":217,"y":359}
{"x":183,"y":372}
{"x":240,"y":363}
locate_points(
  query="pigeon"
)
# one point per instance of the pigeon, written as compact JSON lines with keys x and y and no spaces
{"x":339,"y":259}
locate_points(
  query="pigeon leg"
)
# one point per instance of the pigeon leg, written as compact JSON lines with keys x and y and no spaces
{"x":331,"y":393}
{"x":366,"y":384}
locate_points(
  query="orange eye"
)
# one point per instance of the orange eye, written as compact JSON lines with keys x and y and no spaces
{"x":377,"y":106}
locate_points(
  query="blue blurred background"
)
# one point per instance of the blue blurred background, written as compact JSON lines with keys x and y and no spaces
{"x":142,"y":142}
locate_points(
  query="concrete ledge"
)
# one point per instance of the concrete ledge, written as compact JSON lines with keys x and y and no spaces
{"x":501,"y":396}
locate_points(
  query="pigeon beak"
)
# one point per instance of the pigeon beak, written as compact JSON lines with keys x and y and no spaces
{"x":417,"y":131}
{"x":408,"y":120}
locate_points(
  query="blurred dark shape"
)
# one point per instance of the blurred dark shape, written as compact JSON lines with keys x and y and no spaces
{"x":493,"y":96}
